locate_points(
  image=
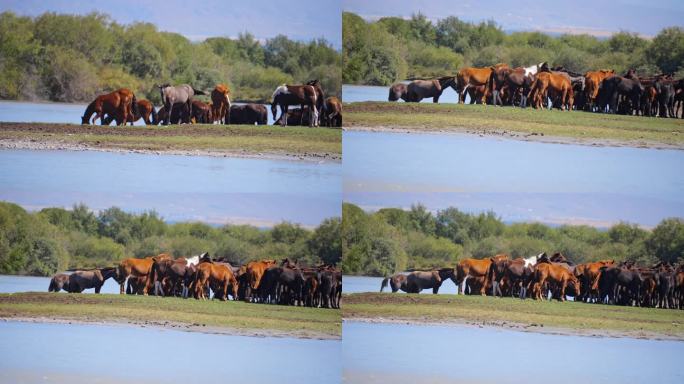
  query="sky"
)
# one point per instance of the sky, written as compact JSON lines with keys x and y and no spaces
{"x":301,"y":20}
{"x":595,"y":17}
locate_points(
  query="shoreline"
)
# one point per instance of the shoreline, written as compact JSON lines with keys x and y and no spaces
{"x":538,"y":137}
{"x":515,"y":327}
{"x":56,"y":145}
{"x":172,"y":326}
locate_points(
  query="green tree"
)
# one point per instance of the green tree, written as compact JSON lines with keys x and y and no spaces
{"x":666,"y":242}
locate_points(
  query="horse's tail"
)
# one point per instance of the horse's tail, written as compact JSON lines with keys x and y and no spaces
{"x":198,"y":92}
{"x":384,"y":283}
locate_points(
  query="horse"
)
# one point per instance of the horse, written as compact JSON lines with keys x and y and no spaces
{"x":121,"y":104}
{"x":333,"y":112}
{"x":247,"y":114}
{"x":467,"y":268}
{"x":220,"y":104}
{"x":201,"y":112}
{"x":397,"y":91}
{"x":471,"y":77}
{"x":145,"y":110}
{"x":533,"y":69}
{"x":218,"y":275}
{"x":82,"y":280}
{"x":556,"y":83}
{"x":136,"y":267}
{"x":592,"y":84}
{"x":171,"y":95}
{"x":286,"y":95}
{"x":396,"y":282}
{"x":511,"y":78}
{"x":320,"y":99}
{"x":555,"y":274}
{"x":417,"y":90}
{"x":254,"y":271}
{"x":58,"y":282}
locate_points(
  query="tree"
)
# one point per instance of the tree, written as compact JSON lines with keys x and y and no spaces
{"x":667,"y":49}
{"x":666,"y":242}
{"x":326,"y":241}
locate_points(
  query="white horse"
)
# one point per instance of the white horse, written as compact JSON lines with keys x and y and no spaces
{"x":532,"y":260}
{"x":533,"y":69}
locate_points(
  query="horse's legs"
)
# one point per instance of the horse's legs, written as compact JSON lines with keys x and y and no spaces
{"x":169,"y":110}
{"x":284,"y":108}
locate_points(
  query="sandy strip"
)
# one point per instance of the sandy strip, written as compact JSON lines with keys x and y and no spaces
{"x":168,"y":325}
{"x":519,"y":327}
{"x":539,"y":137}
{"x":52,"y":145}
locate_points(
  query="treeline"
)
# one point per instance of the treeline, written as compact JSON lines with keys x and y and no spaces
{"x":392,"y":49}
{"x":56,"y":239}
{"x":70,"y":58}
{"x":392,"y":240}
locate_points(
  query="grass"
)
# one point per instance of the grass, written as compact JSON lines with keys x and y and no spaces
{"x":633,"y":130}
{"x":302,"y":141}
{"x":293,"y":321}
{"x":522,"y":313}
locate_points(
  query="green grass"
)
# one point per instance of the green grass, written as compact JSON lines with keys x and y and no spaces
{"x":295,"y":321}
{"x":633,"y":130}
{"x":489,"y":310}
{"x":302,"y":141}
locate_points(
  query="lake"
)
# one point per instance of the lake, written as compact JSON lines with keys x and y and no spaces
{"x":199,"y":188}
{"x":14,"y":284}
{"x":49,"y":112}
{"x":40,"y":353}
{"x":399,"y":353}
{"x":357,"y":93}
{"x":518,"y":180}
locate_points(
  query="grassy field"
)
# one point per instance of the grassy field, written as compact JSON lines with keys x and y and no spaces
{"x":516,"y":313}
{"x":275,"y":140}
{"x":246,"y":317}
{"x":582,"y":126}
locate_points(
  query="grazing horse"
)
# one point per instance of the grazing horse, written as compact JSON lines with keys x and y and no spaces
{"x":320,"y":99}
{"x":333,"y":112}
{"x":558,"y":84}
{"x":120,"y":104}
{"x":145,"y":110}
{"x":592,"y":84}
{"x":59,"y":281}
{"x":177,"y":94}
{"x":218,"y":275}
{"x":220,"y":107}
{"x":82,"y":280}
{"x":137,"y":267}
{"x":418,"y":90}
{"x":555,"y":274}
{"x":286,"y":95}
{"x":247,"y":114}
{"x":398,"y":91}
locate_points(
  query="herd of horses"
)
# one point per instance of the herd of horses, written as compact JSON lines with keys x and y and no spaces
{"x":541,"y":277}
{"x":264,"y":281}
{"x":542,"y":86}
{"x":179,"y":105}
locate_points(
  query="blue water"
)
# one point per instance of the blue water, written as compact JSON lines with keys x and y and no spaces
{"x":356,"y":93}
{"x":381,"y":353}
{"x":209,"y":189}
{"x":48,"y":112}
{"x":14,"y":284}
{"x":519,"y":180}
{"x":94,"y":353}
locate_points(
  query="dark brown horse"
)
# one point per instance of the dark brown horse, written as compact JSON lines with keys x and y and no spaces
{"x":398,"y":91}
{"x":120,"y":104}
{"x":145,"y":110}
{"x":320,"y":99}
{"x":82,"y":280}
{"x":247,"y":114}
{"x":303,"y":95}
{"x":59,"y":281}
{"x":333,"y":112}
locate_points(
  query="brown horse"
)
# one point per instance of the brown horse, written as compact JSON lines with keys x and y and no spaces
{"x":589,"y":274}
{"x":398,"y":91}
{"x":592,"y":84}
{"x":468,"y":268}
{"x":201,"y":112}
{"x":396,"y":282}
{"x":471,"y":77}
{"x":137,"y":267}
{"x":145,"y":110}
{"x":333,"y":112}
{"x":219,"y":276}
{"x":557,"y":84}
{"x":320,"y":99}
{"x":286,"y":95}
{"x":255,"y":270}
{"x":557,"y":275}
{"x":220,"y":108}
{"x":120,"y":104}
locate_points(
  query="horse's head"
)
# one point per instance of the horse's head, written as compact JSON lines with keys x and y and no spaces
{"x":85,"y":120}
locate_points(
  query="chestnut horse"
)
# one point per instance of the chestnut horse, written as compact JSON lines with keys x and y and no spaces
{"x":333,"y":112}
{"x":555,"y":274}
{"x":136,"y":268}
{"x":559,"y":85}
{"x":473,"y":77}
{"x":145,"y":110}
{"x":286,"y":95}
{"x":220,"y":108}
{"x":121,"y":104}
{"x":217,"y":275}
{"x":592,"y":84}
{"x":320,"y":99}
{"x":255,"y":270}
{"x":468,"y":268}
